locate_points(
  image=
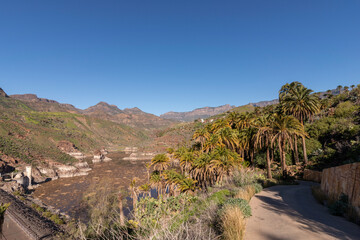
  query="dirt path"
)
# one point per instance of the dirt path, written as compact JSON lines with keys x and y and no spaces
{"x":291,"y":212}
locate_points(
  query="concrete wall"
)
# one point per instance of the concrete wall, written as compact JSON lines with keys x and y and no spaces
{"x":343,"y":179}
{"x":311,"y":175}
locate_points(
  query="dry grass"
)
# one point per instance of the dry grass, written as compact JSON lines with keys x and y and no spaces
{"x":246,"y":193}
{"x":233,"y":224}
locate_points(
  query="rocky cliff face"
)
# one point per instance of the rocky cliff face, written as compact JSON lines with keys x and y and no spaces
{"x":198,"y":113}
{"x":130,"y":116}
{"x":45,"y":105}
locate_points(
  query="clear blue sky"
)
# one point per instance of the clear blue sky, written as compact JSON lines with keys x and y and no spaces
{"x":176,"y":55}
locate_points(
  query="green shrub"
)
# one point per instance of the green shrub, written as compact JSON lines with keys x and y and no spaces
{"x":258,"y":188}
{"x":238,"y":202}
{"x":220,"y":196}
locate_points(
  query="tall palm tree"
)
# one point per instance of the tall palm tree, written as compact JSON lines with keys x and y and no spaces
{"x":263,"y":139}
{"x":228,"y":137}
{"x":223,"y":162}
{"x":201,"y":135}
{"x":299,"y":101}
{"x":160,"y":162}
{"x":200,"y":170}
{"x":284,"y":129}
{"x":156,"y":182}
{"x":186,"y":161}
{"x":218,"y":124}
{"x":232,"y":119}
{"x":211,"y":143}
{"x":245,"y":121}
{"x":133,"y":190}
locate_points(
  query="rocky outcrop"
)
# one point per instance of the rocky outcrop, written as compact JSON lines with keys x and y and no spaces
{"x":34,"y":225}
{"x":100,"y":156}
{"x":140,"y":156}
{"x":199,"y":113}
{"x":311,"y":175}
{"x":343,"y":179}
{"x":3,"y":93}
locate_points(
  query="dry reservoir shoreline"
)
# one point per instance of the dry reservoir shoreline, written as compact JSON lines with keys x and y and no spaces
{"x":67,"y":194}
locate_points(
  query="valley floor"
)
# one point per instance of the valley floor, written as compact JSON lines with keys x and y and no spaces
{"x":291,"y":212}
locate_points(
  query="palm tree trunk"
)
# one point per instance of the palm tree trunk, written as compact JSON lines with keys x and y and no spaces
{"x":284,"y":158}
{"x":304,"y":151}
{"x":281,"y":155}
{"x":296,"y":153}
{"x":268,"y":163}
{"x":122,"y":216}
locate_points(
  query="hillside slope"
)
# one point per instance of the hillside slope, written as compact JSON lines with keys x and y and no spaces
{"x":30,"y":135}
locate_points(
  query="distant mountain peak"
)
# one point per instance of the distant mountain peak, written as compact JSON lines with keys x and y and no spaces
{"x":133,"y":110}
{"x":198,"y":113}
{"x":3,"y":93}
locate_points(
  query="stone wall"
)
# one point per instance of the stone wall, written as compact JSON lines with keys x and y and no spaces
{"x":311,"y":175}
{"x":343,"y":179}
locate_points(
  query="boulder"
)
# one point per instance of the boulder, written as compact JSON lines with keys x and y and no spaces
{"x":98,"y":158}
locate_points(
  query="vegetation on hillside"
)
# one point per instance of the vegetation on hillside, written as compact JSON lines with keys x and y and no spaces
{"x":28,"y":135}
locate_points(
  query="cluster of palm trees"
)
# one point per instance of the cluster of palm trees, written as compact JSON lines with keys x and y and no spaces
{"x":234,"y":140}
{"x":272,"y":129}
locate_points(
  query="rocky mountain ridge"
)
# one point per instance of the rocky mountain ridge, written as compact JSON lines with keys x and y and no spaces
{"x":204,"y":112}
{"x":130,"y":116}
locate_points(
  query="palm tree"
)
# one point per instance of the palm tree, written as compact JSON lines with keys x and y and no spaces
{"x":172,"y":179}
{"x":245,"y":121}
{"x":263,"y":139}
{"x":224,"y":162}
{"x":186,"y":161}
{"x":284,"y":129}
{"x":160,"y":162}
{"x":211,"y":143}
{"x":200,"y":135}
{"x":132,"y":188}
{"x":156,"y":182}
{"x":218,"y":124}
{"x":299,"y":101}
{"x":148,"y":166}
{"x":227,"y":137}
{"x":232,"y":119}
{"x":187,"y":185}
{"x":200,"y":170}
{"x":145,"y":189}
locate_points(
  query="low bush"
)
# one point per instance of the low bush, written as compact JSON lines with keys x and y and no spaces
{"x":242,"y":204}
{"x":257,"y":187}
{"x":220,"y":196}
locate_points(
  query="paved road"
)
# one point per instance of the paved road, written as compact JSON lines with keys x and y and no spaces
{"x":292,"y":213}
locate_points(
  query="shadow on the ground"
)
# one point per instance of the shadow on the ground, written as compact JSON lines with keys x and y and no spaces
{"x":300,"y":205}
